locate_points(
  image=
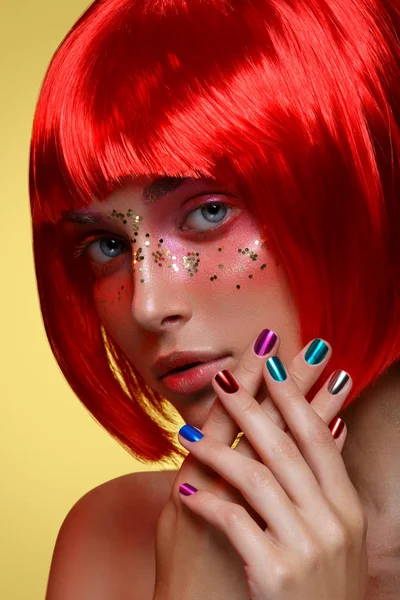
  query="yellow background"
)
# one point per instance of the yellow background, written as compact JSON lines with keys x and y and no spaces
{"x":52,"y":450}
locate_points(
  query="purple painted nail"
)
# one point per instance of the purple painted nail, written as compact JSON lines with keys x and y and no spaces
{"x":186,"y":489}
{"x":265,"y":342}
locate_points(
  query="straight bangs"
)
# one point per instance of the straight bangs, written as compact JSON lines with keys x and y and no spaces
{"x":297,"y":100}
{"x":141,"y":88}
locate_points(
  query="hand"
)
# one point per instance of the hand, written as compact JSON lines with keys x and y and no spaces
{"x":193,"y":559}
{"x":314,"y":544}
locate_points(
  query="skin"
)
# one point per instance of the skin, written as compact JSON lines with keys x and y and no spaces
{"x":151,"y":311}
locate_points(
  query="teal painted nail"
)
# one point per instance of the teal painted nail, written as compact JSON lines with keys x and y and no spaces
{"x":276,"y":368}
{"x":190,"y":433}
{"x":316,"y":352}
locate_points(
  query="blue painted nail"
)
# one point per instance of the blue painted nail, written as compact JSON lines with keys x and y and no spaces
{"x":276,"y":368}
{"x":316,"y":352}
{"x":190,"y":433}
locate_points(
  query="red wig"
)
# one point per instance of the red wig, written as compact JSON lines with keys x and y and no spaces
{"x":298,"y":100}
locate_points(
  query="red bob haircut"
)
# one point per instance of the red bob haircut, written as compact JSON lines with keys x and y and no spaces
{"x":298,"y":100}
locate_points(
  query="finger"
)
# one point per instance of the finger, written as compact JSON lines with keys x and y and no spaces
{"x":313,"y":437}
{"x":325,"y":403}
{"x":250,"y":373}
{"x":339,"y":385}
{"x":248,"y":540}
{"x":305,"y":368}
{"x":275,"y":449}
{"x":254,"y":480}
{"x":219,"y":423}
{"x":339,"y":432}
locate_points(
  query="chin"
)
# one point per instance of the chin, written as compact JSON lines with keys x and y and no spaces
{"x":194,"y":409}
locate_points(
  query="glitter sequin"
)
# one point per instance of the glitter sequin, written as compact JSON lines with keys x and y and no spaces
{"x":191,"y":262}
{"x":163,"y":257}
{"x":137,"y":256}
{"x":129,"y":215}
{"x":248,"y":252}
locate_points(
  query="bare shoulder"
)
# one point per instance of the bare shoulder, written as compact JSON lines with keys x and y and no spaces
{"x":105,"y":547}
{"x":124,"y":497}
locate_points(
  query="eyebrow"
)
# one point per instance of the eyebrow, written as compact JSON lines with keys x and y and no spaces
{"x":156,"y":190}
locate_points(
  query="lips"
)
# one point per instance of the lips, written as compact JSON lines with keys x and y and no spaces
{"x":180,"y":361}
{"x":194,"y":379}
{"x":183,"y":368}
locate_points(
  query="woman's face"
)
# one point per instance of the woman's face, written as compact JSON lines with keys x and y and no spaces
{"x":181,"y":267}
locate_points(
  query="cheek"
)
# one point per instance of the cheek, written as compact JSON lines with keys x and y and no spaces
{"x":249,"y":283}
{"x":240,"y":263}
{"x":112,"y":297}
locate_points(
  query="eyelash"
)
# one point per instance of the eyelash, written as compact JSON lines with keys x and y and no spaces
{"x":81,"y":248}
{"x":95,"y":236}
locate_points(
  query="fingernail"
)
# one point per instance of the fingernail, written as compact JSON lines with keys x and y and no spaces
{"x":186,"y":489}
{"x":336,"y":427}
{"x":227,"y":382}
{"x":276,"y":368}
{"x":265,"y":342}
{"x":337,"y":381}
{"x":316,"y":352}
{"x":190,"y":433}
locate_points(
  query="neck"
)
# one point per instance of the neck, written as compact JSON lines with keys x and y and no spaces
{"x":372,"y":457}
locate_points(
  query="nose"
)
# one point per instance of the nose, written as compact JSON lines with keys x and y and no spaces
{"x":159,"y":303}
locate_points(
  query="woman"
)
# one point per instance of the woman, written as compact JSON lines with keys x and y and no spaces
{"x":200,"y":173}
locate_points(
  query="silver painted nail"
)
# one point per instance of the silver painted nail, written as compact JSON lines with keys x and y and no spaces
{"x":338,"y":381}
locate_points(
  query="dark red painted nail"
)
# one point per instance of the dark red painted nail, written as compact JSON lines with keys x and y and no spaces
{"x":336,"y":426}
{"x":227,"y":382}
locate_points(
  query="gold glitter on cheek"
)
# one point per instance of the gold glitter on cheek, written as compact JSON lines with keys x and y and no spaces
{"x":163,"y":256}
{"x":139,"y":255}
{"x":249,"y":253}
{"x":109,"y":296}
{"x":104,"y":302}
{"x":191,"y":262}
{"x":252,"y":255}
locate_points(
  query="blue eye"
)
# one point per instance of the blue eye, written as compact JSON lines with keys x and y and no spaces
{"x":99,"y":247}
{"x":211,"y":213}
{"x":106,"y":248}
